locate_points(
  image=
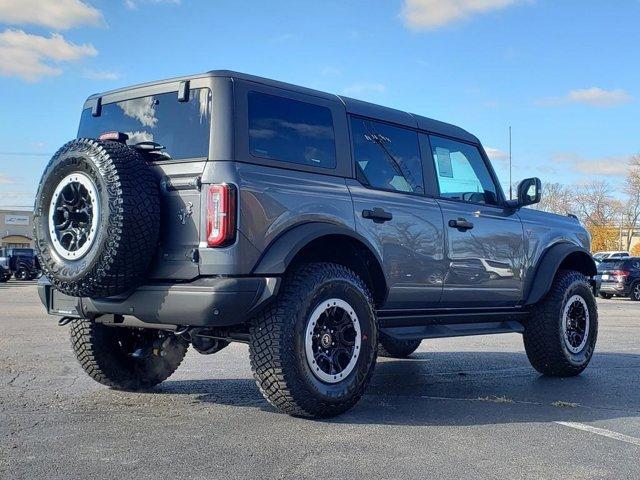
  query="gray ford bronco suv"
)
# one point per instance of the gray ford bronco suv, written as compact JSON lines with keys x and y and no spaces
{"x":321,"y":230}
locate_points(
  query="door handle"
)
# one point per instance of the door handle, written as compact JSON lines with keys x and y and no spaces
{"x":461,"y":224}
{"x":378,"y":215}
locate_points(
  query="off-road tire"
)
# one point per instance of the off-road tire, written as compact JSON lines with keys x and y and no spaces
{"x":98,"y":351}
{"x":396,"y":348}
{"x":128,"y":225}
{"x":544,"y":335}
{"x":606,"y":296}
{"x":277,"y":350}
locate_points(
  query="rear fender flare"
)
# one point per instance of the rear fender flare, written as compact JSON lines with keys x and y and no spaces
{"x":281,"y":252}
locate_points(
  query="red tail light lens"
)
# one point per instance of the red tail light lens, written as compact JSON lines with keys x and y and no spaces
{"x":221,"y":215}
{"x":620,"y":274}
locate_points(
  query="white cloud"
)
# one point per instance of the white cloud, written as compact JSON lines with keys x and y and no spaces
{"x":133,"y":4}
{"x":6,"y":180}
{"x":364,"y":88}
{"x":138,"y":136}
{"x":100,"y":75}
{"x":607,"y":166}
{"x":496,"y":155}
{"x":56,"y":14}
{"x":599,"y":97}
{"x":15,"y":198}
{"x":594,"y":96}
{"x":142,"y":109}
{"x":30,"y":57}
{"x":432,"y":14}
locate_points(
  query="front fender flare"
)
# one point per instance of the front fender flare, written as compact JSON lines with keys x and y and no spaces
{"x":549,"y":264}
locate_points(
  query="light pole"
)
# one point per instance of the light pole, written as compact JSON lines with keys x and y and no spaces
{"x":510,"y":180}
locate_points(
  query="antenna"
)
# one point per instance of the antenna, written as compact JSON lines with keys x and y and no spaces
{"x":510,"y":181}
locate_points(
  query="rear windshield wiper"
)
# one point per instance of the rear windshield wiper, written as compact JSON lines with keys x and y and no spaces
{"x":154,"y":148}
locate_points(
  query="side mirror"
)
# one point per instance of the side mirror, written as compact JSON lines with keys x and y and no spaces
{"x":529,"y":193}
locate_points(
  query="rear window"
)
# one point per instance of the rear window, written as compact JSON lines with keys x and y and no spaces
{"x":291,"y":131}
{"x":20,"y":251}
{"x":181,"y":127}
{"x":607,"y":264}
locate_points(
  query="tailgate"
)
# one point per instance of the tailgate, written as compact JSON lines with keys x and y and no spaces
{"x":177,"y":257}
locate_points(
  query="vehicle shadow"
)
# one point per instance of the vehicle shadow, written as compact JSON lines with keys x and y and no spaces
{"x":465,"y":388}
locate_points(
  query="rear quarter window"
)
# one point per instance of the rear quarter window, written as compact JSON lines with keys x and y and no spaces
{"x":291,"y":131}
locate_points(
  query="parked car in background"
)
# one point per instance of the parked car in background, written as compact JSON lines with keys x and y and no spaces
{"x":599,"y":256}
{"x":22,"y":263}
{"x":619,"y":277}
{"x":5,"y":271}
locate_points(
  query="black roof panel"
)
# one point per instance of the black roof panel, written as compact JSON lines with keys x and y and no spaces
{"x":356,"y":107}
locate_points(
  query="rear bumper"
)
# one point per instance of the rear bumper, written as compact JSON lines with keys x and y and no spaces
{"x":205,"y":302}
{"x":613,"y":288}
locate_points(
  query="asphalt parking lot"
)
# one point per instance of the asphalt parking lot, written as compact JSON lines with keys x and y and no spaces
{"x":458,"y":408}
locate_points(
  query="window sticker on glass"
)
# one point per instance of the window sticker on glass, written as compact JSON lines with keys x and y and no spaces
{"x":445,"y":167}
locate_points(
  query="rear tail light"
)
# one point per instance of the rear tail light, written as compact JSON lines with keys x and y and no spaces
{"x":620,"y":274}
{"x":221,"y":215}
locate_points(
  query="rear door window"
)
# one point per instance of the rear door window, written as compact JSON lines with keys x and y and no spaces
{"x":387,"y":157}
{"x":183,"y":128}
{"x":291,"y":131}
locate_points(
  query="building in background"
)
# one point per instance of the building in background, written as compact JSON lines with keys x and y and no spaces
{"x":16,"y":228}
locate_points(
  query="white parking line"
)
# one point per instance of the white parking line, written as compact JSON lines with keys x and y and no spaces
{"x":602,"y":432}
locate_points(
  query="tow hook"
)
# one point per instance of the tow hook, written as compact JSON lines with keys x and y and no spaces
{"x":65,"y":321}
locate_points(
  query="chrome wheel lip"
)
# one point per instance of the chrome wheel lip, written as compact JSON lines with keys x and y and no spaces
{"x":565,"y":323}
{"x":90,"y":186}
{"x":308,"y":341}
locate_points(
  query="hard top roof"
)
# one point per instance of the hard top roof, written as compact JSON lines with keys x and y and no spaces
{"x":353,"y":106}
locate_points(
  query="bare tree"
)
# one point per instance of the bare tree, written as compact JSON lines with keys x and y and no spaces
{"x":631,"y":205}
{"x":556,"y":198}
{"x":600,"y":212}
{"x":595,"y":204}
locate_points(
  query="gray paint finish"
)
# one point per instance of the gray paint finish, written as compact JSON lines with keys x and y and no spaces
{"x":426,"y":263}
{"x":485,"y":264}
{"x":274,"y":200}
{"x":411,"y":244}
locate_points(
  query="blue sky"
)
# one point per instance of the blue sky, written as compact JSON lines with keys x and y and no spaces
{"x":565,"y":75}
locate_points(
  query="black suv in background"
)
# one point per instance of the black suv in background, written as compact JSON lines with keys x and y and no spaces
{"x":22,"y":263}
{"x":619,"y":277}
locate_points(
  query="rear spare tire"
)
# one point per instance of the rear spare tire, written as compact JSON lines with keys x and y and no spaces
{"x":97,"y":218}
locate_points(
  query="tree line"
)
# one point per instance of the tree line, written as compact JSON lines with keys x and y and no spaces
{"x":610,"y":214}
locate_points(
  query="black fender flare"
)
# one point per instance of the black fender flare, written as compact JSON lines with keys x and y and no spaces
{"x":278,"y":255}
{"x":550,"y":263}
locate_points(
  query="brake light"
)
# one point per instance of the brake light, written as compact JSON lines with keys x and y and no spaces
{"x":221,"y":215}
{"x":620,"y":274}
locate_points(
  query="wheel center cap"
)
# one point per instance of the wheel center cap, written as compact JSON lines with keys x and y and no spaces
{"x":326,"y":340}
